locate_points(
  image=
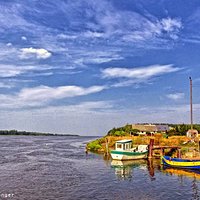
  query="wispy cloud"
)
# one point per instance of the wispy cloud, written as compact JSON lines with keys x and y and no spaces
{"x":157,"y":30}
{"x":65,"y":36}
{"x":139,"y":72}
{"x":91,"y":34}
{"x":7,"y":71}
{"x":171,"y":25}
{"x":42,"y":95}
{"x":98,"y":37}
{"x":14,"y":70}
{"x":48,"y":93}
{"x":53,"y":118}
{"x":6,"y":85}
{"x":96,"y":57}
{"x":192,"y":38}
{"x":71,"y":41}
{"x":84,"y":107}
{"x":11,"y":17}
{"x":175,"y":96}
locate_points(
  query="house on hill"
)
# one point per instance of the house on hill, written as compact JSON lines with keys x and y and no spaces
{"x":150,"y":128}
{"x":192,"y":133}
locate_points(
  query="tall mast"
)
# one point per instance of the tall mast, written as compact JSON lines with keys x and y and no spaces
{"x":191,"y":111}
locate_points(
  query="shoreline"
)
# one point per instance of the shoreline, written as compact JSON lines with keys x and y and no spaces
{"x":99,"y":145}
{"x":27,"y":133}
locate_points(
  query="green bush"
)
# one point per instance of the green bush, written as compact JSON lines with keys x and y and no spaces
{"x":94,"y":145}
{"x":119,"y":133}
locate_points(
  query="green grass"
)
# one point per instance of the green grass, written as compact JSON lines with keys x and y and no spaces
{"x":94,"y":145}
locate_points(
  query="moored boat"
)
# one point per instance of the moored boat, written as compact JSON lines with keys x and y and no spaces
{"x":124,"y":151}
{"x":180,"y":162}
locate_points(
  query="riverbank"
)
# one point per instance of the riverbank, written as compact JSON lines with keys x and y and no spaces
{"x":26,"y":133}
{"x":58,"y":168}
{"x":99,"y":145}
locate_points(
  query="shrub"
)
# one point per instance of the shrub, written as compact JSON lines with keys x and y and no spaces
{"x":119,"y":133}
{"x":94,"y":145}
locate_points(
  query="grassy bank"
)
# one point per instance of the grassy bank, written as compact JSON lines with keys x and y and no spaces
{"x":99,"y":145}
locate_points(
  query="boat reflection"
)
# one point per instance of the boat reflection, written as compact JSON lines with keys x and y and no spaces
{"x":194,"y":175}
{"x":124,"y":169}
{"x":181,"y":172}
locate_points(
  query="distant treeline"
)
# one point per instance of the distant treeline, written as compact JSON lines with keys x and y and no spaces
{"x":15,"y":132}
{"x":181,"y":129}
{"x":175,"y":129}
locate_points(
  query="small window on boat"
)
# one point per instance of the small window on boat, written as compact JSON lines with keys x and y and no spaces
{"x":128,"y":146}
{"x":119,"y":146}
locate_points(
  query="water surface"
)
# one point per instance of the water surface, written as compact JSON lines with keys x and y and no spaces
{"x":48,"y":167}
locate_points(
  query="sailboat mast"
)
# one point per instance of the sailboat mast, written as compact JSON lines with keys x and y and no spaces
{"x":191,"y":108}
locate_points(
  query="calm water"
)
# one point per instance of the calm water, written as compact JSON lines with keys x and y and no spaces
{"x":57,"y":168}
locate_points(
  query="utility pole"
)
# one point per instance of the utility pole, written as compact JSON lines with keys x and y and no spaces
{"x":191,"y":109}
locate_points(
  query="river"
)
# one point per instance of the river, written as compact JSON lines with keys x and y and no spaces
{"x":56,"y":167}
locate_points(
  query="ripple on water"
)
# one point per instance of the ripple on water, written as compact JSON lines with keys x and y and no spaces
{"x":58,"y":168}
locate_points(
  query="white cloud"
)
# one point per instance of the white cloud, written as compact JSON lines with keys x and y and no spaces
{"x":139,"y":73}
{"x":84,"y":107}
{"x":41,"y":95}
{"x":39,"y":53}
{"x":170,"y":25}
{"x":9,"y":44}
{"x":79,"y":117}
{"x":6,"y":85}
{"x":11,"y":17}
{"x":45,"y":93}
{"x":137,"y":31}
{"x":175,"y":96}
{"x":65,"y":36}
{"x":82,"y":57}
{"x":192,"y":40}
{"x":154,"y":30}
{"x":15,"y":70}
{"x":24,"y":38}
{"x":10,"y":71}
{"x":91,"y":34}
{"x":129,"y":82}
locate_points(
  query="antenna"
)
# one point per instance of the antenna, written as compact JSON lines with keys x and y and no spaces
{"x":191,"y":109}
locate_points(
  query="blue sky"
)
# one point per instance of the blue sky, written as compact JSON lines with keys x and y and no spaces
{"x":85,"y":66}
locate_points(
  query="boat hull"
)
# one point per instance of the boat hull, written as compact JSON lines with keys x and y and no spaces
{"x":127,"y":155}
{"x":180,"y":163}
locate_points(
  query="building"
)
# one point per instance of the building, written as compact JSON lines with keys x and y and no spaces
{"x":150,"y":128}
{"x":192,"y":133}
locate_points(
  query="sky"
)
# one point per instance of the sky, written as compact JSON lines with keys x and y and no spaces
{"x":86,"y":66}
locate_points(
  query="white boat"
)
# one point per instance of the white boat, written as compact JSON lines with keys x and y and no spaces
{"x":124,"y":151}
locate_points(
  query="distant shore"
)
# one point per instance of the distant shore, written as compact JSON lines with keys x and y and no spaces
{"x":26,"y":133}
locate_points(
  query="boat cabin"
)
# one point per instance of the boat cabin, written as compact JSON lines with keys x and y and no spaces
{"x":123,"y":145}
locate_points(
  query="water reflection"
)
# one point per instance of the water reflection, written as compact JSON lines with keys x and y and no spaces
{"x":124,"y":169}
{"x":181,"y":173}
{"x":151,"y":167}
